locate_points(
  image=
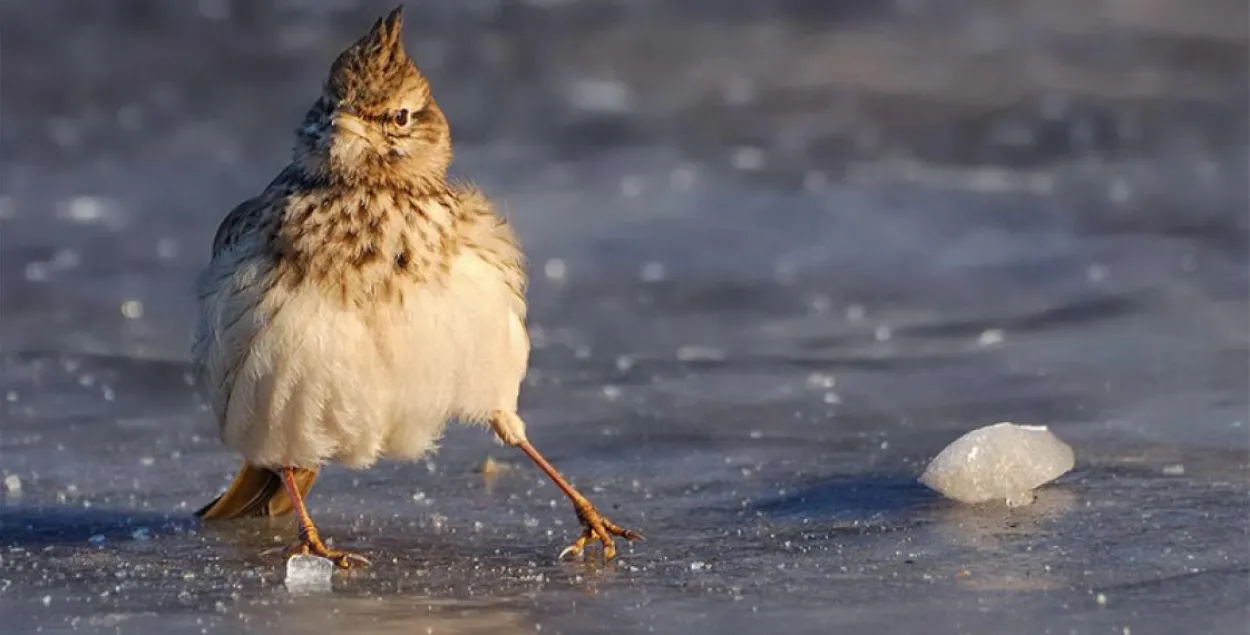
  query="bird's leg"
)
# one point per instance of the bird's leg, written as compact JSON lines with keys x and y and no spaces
{"x":309,"y":538}
{"x":595,"y":527}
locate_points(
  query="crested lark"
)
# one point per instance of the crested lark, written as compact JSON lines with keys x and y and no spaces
{"x":362,"y":301}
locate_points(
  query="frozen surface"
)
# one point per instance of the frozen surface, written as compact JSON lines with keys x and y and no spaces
{"x":783,"y":253}
{"x":1000,"y":462}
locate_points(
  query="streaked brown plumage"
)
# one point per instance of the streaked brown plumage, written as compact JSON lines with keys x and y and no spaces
{"x":363,"y":300}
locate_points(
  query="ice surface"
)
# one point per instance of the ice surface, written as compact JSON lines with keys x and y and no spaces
{"x":769,"y":503}
{"x":308,"y":573}
{"x":1003,"y":461}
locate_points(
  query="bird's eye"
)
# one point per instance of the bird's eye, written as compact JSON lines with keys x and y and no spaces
{"x":401,"y":117}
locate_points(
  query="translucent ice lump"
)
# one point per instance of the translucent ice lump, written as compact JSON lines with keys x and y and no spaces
{"x":308,"y":573}
{"x":1003,"y":461}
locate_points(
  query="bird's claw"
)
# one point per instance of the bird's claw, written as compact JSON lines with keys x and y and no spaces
{"x":596,"y":528}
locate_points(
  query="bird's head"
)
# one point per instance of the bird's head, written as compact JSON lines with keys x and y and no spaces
{"x":376,"y":121}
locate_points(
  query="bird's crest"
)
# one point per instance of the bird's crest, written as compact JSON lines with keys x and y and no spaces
{"x":374,"y":65}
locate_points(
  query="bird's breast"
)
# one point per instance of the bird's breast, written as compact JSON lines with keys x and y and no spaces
{"x":365,"y":247}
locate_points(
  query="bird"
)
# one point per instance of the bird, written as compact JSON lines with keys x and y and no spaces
{"x":362,"y":302}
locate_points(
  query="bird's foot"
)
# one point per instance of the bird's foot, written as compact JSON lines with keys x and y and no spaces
{"x":310,"y":544}
{"x":597,"y":528}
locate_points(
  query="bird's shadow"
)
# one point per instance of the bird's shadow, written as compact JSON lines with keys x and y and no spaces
{"x":43,"y":526}
{"x":854,"y":498}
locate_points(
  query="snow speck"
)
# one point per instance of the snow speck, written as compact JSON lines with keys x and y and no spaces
{"x":84,"y":209}
{"x":601,"y":96}
{"x":699,"y":354}
{"x":748,"y":159}
{"x":653,"y":272}
{"x":555,"y":269}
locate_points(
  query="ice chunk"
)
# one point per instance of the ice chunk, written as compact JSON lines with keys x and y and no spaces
{"x":308,"y":573}
{"x":1003,"y":461}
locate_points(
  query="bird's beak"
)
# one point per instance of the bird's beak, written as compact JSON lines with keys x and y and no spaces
{"x":345,"y":122}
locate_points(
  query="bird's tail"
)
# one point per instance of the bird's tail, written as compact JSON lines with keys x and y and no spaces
{"x":257,"y":491}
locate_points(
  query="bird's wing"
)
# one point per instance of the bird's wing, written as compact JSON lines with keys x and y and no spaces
{"x":243,"y":218}
{"x":230,"y":290}
{"x":492,"y":237}
{"x":246,"y":217}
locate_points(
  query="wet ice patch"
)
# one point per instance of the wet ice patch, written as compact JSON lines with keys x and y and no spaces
{"x":308,"y":573}
{"x":1003,"y":461}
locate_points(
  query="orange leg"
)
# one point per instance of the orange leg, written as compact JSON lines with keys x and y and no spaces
{"x":309,"y":538}
{"x":594,"y":525}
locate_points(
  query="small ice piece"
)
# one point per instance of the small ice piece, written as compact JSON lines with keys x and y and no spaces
{"x":1174,"y":470}
{"x":132,"y":309}
{"x":1003,"y":461}
{"x":821,"y":380}
{"x":13,"y":484}
{"x":990,"y":337}
{"x":308,"y":573}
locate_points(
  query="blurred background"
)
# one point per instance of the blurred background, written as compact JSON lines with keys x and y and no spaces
{"x":782,"y":253}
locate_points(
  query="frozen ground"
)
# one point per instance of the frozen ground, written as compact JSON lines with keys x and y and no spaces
{"x":781,"y":256}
